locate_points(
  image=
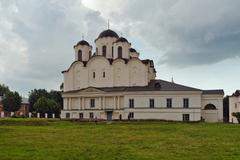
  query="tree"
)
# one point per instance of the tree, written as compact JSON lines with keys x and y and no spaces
{"x":34,"y":95}
{"x":11,"y":101}
{"x":57,"y":97}
{"x":3,"y":89}
{"x":46,"y":105}
{"x":237,"y":115}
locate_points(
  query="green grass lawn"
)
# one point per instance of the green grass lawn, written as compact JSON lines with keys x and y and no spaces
{"x":41,"y":139}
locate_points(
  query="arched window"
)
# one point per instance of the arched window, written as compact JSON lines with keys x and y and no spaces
{"x":80,"y":55}
{"x":119,"y":52}
{"x":210,"y":107}
{"x":104,"y":51}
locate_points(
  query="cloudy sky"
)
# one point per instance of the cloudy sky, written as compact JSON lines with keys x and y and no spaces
{"x":195,"y":42}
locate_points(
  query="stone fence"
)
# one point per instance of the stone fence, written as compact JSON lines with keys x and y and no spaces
{"x":30,"y":115}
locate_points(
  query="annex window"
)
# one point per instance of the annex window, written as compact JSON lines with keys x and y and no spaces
{"x":104,"y":74}
{"x":92,"y":103}
{"x":112,"y":52}
{"x":81,"y":115}
{"x":131,"y":103}
{"x":185,"y":103}
{"x":186,"y":117}
{"x":104,"y":51}
{"x":91,"y":115}
{"x":169,"y":102}
{"x":151,"y":103}
{"x":119,"y":52}
{"x":80,"y":55}
{"x":97,"y":51}
{"x":131,"y":115}
{"x":94,"y":74}
{"x":67,"y":115}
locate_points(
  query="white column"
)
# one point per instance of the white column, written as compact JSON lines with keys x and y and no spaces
{"x":114,"y":103}
{"x":53,"y":115}
{"x":30,"y":115}
{"x":118,"y":102}
{"x":46,"y":115}
{"x":100,"y":102}
{"x":38,"y":115}
{"x":104,"y":102}
{"x":83,"y":105}
{"x":70,"y":104}
{"x":2,"y":114}
{"x":79,"y":103}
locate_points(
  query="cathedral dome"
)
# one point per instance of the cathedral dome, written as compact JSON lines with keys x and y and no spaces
{"x":108,"y":33}
{"x":83,"y":42}
{"x":122,"y":39}
{"x":132,"y":50}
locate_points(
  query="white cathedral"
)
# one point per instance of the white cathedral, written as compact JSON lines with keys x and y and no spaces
{"x":113,"y":83}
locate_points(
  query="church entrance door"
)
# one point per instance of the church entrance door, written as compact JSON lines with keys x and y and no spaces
{"x":109,"y":115}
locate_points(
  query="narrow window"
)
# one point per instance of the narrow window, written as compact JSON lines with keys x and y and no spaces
{"x":151,"y":103}
{"x":67,"y":115}
{"x":94,"y":74}
{"x":90,"y":54}
{"x":112,"y":52}
{"x":130,"y":115}
{"x":97,"y":51}
{"x":186,"y":117}
{"x":119,"y":52}
{"x":131,"y":103}
{"x":104,"y":51}
{"x":91,"y":115}
{"x":169,"y":103}
{"x":185,"y":103}
{"x":80,"y":55}
{"x":104,"y":74}
{"x":92,"y":103}
{"x":81,"y":115}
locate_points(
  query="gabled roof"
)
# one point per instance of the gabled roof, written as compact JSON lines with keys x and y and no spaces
{"x":154,"y":85}
{"x":215,"y":91}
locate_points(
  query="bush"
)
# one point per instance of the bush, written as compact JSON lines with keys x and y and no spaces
{"x":237,"y":115}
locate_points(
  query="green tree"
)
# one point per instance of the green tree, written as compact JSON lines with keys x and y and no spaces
{"x":34,"y":95}
{"x":57,"y":97}
{"x":3,"y":89}
{"x":11,"y":101}
{"x":46,"y":105}
{"x":237,"y":115}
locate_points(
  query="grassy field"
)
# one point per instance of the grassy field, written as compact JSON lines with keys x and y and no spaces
{"x":59,"y":140}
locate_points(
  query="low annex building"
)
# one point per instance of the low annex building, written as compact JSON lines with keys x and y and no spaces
{"x":114,"y":83}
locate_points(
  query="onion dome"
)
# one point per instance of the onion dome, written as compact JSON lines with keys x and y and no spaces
{"x":132,"y":50}
{"x":82,"y":43}
{"x":108,"y":33}
{"x":121,"y":39}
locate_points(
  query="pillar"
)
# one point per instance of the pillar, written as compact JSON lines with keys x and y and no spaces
{"x":30,"y":115}
{"x":38,"y":115}
{"x":46,"y":115}
{"x":79,"y":103}
{"x":83,"y":106}
{"x":53,"y":115}
{"x":100,"y":102}
{"x":11,"y":114}
{"x":104,"y":99}
{"x":114,"y":103}
{"x":118,"y":102}
{"x":2,"y":114}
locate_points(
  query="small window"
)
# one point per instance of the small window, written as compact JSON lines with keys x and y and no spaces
{"x":80,"y":55}
{"x":131,"y":115}
{"x":151,"y":103}
{"x":112,"y":52}
{"x":92,"y":103}
{"x":131,"y":103}
{"x":97,"y":51}
{"x":119,"y":52}
{"x":186,"y":117}
{"x":67,"y":115}
{"x":104,"y":51}
{"x":185,"y":103}
{"x":81,"y":115}
{"x":169,"y":103}
{"x":94,"y":74}
{"x":91,"y":115}
{"x":104,"y":75}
